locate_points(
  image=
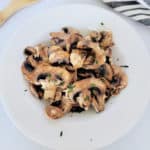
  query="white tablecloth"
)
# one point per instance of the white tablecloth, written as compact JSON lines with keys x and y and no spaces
{"x":12,"y":139}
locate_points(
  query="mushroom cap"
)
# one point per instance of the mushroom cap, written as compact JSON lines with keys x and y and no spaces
{"x":59,"y":57}
{"x":88,"y":83}
{"x":46,"y":69}
{"x":53,"y":112}
{"x":77,"y":58}
{"x":99,"y":53}
{"x":119,"y":79}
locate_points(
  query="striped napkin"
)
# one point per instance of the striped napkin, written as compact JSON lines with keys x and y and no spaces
{"x":131,"y":8}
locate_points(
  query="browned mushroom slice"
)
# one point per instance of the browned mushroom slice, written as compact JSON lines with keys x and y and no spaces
{"x":49,"y":88}
{"x":58,"y":94}
{"x":41,"y":52}
{"x":104,"y":71}
{"x":29,"y":51}
{"x":119,"y":79}
{"x":54,"y":112}
{"x":69,"y":30}
{"x":84,"y":99}
{"x":77,"y":58}
{"x":72,"y":41}
{"x":66,"y":105}
{"x":84,"y":73}
{"x":92,"y":85}
{"x":59,"y":57}
{"x":95,"y":36}
{"x":106,"y":40}
{"x":36,"y":90}
{"x":99,"y":53}
{"x":54,"y":73}
{"x":67,"y":38}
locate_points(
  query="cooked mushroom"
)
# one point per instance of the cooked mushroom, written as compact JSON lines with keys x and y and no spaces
{"x":78,"y":91}
{"x":36,"y":90}
{"x":49,"y":88}
{"x":29,"y":51}
{"x":106,"y":40}
{"x":59,"y":57}
{"x":95,"y":36}
{"x":72,"y":41}
{"x":85,"y":73}
{"x":77,"y":58}
{"x":52,"y":72}
{"x":104,"y":71}
{"x":99,"y":53}
{"x":74,"y":72}
{"x":54,"y":112}
{"x":65,"y":38}
{"x":119,"y":79}
{"x":57,"y":111}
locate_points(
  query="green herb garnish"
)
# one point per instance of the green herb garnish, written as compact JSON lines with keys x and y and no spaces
{"x":93,"y":85}
{"x":70,"y":87}
{"x":96,"y":61}
{"x":86,"y":98}
{"x":102,"y":23}
{"x":62,"y":83}
{"x":49,"y":76}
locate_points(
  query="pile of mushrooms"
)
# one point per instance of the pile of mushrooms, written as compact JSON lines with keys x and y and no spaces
{"x":74,"y":72}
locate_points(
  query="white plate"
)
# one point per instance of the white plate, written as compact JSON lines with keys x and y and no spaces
{"x":87,"y":130}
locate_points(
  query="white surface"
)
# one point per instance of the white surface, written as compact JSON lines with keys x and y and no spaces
{"x":120,"y":113}
{"x":11,"y":139}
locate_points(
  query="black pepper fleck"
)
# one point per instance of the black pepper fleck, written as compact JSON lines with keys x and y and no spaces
{"x":25,"y":90}
{"x":61,"y":133}
{"x":124,"y":66}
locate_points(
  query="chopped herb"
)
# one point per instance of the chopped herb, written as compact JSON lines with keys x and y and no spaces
{"x":125,"y":66}
{"x":96,"y":61}
{"x":70,"y":87}
{"x":93,"y":85}
{"x":102,"y":23}
{"x":86,"y":98}
{"x":62,"y":83}
{"x":61,"y":133}
{"x":49,"y":76}
{"x":25,"y":90}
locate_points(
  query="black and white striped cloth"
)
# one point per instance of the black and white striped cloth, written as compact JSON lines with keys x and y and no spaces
{"x":132,"y":9}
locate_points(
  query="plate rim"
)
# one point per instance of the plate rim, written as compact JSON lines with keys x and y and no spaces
{"x":14,"y":122}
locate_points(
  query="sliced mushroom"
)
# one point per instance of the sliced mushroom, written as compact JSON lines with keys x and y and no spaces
{"x":77,"y":58}
{"x":36,"y":90}
{"x":72,"y":41}
{"x":29,"y":51}
{"x":119,"y":79}
{"x":99,"y":53}
{"x":81,"y":87}
{"x":57,"y":111}
{"x":69,"y":30}
{"x":95,"y":36}
{"x":66,"y":105}
{"x":106,"y":40}
{"x":47,"y":70}
{"x":59,"y":57}
{"x":54,"y":112}
{"x":84,"y":99}
{"x":67,"y":38}
{"x":49,"y":88}
{"x":58,"y":94}
{"x":104,"y":71}
{"x":84,"y":73}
